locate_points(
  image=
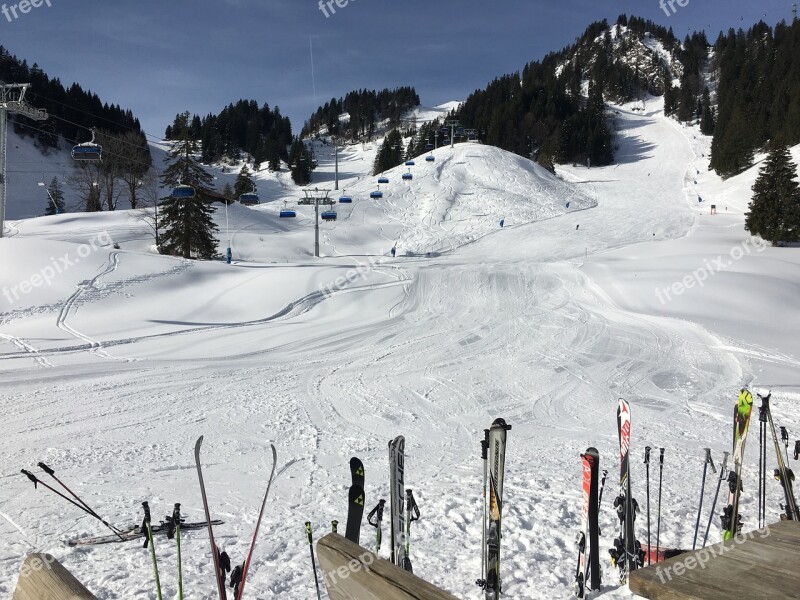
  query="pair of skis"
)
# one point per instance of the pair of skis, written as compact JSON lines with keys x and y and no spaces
{"x":221,"y":560}
{"x":403,"y":509}
{"x":627,"y":553}
{"x":587,"y":574}
{"x":742,"y":413}
{"x":493,"y":454}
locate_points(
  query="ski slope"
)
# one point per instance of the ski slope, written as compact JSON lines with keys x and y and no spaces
{"x":114,"y":368}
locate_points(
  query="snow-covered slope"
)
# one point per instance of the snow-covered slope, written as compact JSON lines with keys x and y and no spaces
{"x":115,"y":366}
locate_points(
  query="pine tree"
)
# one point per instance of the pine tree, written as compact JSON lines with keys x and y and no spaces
{"x":707,"y":118}
{"x":187,"y":222}
{"x":55,"y":198}
{"x":391,"y":153}
{"x":227,"y":191}
{"x":244,"y":183}
{"x":300,"y":163}
{"x":775,"y":208}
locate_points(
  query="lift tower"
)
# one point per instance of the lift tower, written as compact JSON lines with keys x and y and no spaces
{"x":12,"y":100}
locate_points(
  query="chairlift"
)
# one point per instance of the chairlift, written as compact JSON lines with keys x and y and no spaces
{"x":328,"y":215}
{"x":430,"y":158}
{"x":88,"y":151}
{"x":287,"y":213}
{"x":376,"y":194}
{"x":345,"y":200}
{"x":409,"y":163}
{"x":250,"y":199}
{"x":383,"y":180}
{"x":428,"y":146}
{"x":407,"y":177}
{"x":183,"y":192}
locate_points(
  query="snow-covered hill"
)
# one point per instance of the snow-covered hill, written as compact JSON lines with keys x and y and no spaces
{"x":116,"y":364}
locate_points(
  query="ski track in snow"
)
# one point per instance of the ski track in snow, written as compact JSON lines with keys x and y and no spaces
{"x":517,"y":323}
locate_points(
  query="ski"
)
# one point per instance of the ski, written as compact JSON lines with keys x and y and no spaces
{"x":626,"y":554}
{"x":397,"y":497}
{"x":355,"y":501}
{"x":216,"y":555}
{"x":783,"y":474}
{"x":742,"y":411}
{"x":136,"y":533}
{"x":245,"y":567}
{"x":497,"y":459}
{"x":582,"y":569}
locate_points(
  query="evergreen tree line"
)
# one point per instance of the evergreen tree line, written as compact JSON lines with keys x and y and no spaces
{"x":82,"y":108}
{"x":365,"y":109}
{"x":758,"y":93}
{"x":263,"y":133}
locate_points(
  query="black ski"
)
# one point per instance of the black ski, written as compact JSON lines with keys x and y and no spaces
{"x":355,"y":501}
{"x":136,"y":533}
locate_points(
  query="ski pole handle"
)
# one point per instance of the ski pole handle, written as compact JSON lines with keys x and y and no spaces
{"x":647,"y":455}
{"x":411,"y":506}
{"x":308,"y":532}
{"x":45,"y":468}
{"x":485,"y":445}
{"x":377,"y":513}
{"x":797,"y":450}
{"x":33,"y":477}
{"x":335,"y":526}
{"x":784,"y":436}
{"x":661,"y":457}
{"x":146,"y":508}
{"x":710,"y":461}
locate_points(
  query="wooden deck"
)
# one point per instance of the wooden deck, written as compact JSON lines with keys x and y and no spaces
{"x":759,"y":564}
{"x":353,"y":573}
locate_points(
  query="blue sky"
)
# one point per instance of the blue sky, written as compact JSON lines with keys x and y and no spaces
{"x":161,"y":57}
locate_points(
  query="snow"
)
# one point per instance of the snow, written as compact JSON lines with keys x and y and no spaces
{"x":122,"y":360}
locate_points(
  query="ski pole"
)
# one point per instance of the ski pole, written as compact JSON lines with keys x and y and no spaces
{"x":412,"y":514}
{"x":762,"y":462}
{"x":36,"y":482}
{"x":485,"y":457}
{"x":176,"y":523}
{"x":52,"y":474}
{"x":647,"y":469}
{"x":722,"y":477}
{"x":658,"y":517}
{"x":708,"y":461}
{"x":313,"y":560}
{"x":375,"y":518}
{"x":797,"y":450}
{"x":147,"y":527}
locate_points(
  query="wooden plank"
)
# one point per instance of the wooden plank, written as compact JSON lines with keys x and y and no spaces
{"x":763,"y":565}
{"x":350,"y":571}
{"x":42,"y":576}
